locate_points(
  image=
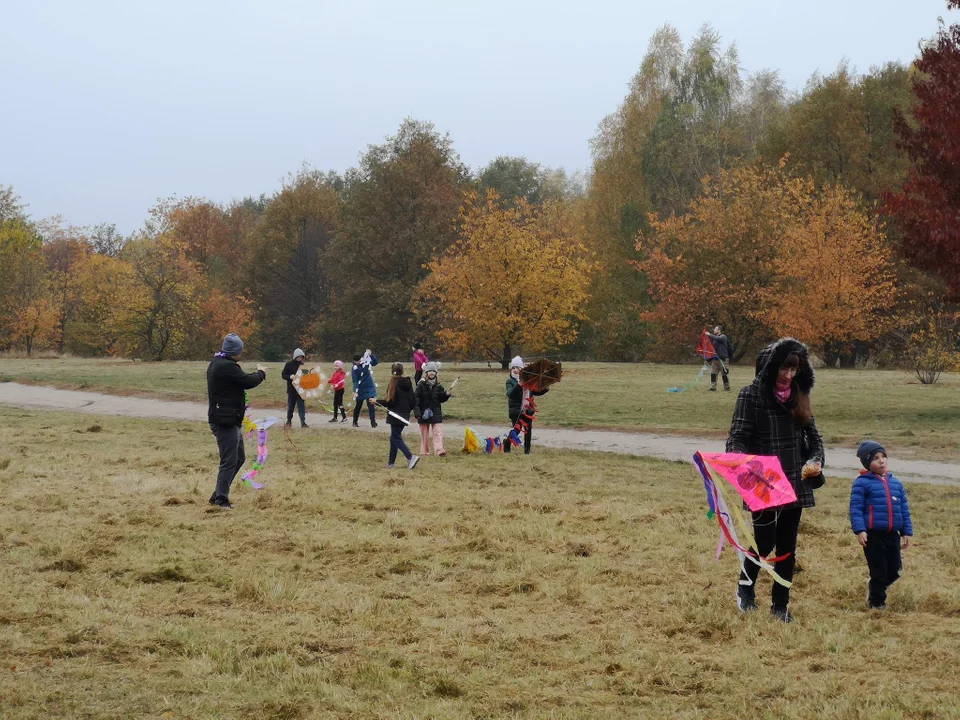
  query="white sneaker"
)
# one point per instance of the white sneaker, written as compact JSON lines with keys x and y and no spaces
{"x":412,"y":462}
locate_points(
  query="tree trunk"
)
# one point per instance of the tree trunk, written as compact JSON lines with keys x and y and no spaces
{"x":505,"y":360}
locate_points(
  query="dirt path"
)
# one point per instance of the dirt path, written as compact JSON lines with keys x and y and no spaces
{"x":842,"y":462}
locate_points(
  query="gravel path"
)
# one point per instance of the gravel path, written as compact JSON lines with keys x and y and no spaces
{"x":842,"y":462}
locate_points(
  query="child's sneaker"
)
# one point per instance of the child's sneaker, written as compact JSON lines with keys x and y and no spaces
{"x":389,"y":466}
{"x":412,"y":462}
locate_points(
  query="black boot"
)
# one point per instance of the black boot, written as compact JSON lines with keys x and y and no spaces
{"x":713,"y":382}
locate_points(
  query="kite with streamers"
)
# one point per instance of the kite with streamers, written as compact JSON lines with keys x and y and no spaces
{"x":705,"y":350}
{"x":260,"y":427}
{"x":761,"y":483}
{"x":535,"y":376}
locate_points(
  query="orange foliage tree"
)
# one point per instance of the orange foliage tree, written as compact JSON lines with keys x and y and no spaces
{"x":768,"y":255}
{"x":516,"y":277}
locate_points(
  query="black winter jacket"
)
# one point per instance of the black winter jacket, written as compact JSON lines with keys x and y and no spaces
{"x":403,"y":403}
{"x":721,"y":345}
{"x":515,"y":395}
{"x":762,"y":425}
{"x":288,"y":372}
{"x":430,"y":397}
{"x":226,"y":384}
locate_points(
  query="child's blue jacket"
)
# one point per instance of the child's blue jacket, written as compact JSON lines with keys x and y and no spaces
{"x":878,"y":503}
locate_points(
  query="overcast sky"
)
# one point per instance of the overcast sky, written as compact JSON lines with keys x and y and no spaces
{"x":107,"y":106}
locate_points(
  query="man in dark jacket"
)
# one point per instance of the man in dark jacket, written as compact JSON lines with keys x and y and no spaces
{"x":226,"y":388}
{"x":719,"y":362}
{"x":293,"y":397}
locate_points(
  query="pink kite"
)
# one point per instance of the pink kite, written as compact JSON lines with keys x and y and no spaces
{"x":758,"y":478}
{"x":760,"y":481}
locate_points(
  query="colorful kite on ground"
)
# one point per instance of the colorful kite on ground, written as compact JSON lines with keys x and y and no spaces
{"x":760,"y":482}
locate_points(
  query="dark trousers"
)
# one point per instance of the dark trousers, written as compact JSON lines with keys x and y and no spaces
{"x":232,"y":457}
{"x":775,"y":530}
{"x":397,"y":444}
{"x":416,"y":377}
{"x":295,"y":401}
{"x":883,"y":559}
{"x":527,"y":436}
{"x":371,"y":408}
{"x":338,"y":403}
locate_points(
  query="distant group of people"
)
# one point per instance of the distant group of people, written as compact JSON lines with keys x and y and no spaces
{"x":773,"y":416}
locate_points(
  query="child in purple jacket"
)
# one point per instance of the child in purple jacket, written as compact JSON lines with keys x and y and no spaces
{"x":880,"y":518}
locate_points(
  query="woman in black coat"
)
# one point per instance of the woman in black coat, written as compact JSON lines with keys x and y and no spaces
{"x":401,"y":400}
{"x":773,"y":417}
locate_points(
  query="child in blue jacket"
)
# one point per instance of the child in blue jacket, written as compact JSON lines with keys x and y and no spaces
{"x":880,"y":518}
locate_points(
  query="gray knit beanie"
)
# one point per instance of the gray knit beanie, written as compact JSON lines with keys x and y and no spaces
{"x":232,"y":345}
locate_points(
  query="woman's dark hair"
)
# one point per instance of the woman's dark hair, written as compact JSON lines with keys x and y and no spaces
{"x":396,"y":372}
{"x":799,"y":403}
{"x":417,"y":346}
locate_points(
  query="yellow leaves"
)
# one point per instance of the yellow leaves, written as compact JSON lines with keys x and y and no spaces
{"x":517,"y":276}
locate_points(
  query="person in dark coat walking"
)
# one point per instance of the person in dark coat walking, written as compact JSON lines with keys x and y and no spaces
{"x":293,"y":397}
{"x":364,"y":387}
{"x":226,"y":394}
{"x":773,"y":416}
{"x":719,"y":363}
{"x":401,"y":400}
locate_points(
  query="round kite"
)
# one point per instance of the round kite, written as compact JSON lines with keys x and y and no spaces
{"x":309,"y":383}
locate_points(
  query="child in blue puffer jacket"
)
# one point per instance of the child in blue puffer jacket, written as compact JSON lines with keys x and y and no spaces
{"x":880,"y":517}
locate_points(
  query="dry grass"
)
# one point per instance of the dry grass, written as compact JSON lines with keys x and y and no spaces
{"x":912,"y":420}
{"x":561,"y":585}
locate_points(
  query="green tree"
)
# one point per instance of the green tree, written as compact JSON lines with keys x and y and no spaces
{"x":400,"y":211}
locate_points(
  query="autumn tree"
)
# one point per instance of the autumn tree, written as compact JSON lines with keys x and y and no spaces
{"x":107,"y":288}
{"x":64,"y":255}
{"x":22,"y":286}
{"x":156,"y":315}
{"x":765,"y":254}
{"x":925,"y":209}
{"x":400,"y":211}
{"x":517,"y":277}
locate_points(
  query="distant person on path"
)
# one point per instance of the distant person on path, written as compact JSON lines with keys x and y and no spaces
{"x":364,"y":388}
{"x":880,"y":518}
{"x":226,"y":389}
{"x":337,"y":381}
{"x":719,"y":364}
{"x":773,"y":416}
{"x":419,"y":360}
{"x":401,"y":400}
{"x":430,"y":398}
{"x":293,"y":397}
{"x":516,"y":400}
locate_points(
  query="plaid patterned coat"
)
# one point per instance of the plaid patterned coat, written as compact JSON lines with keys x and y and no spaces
{"x":762,"y":425}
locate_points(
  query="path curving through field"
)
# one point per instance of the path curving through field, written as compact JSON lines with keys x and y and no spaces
{"x":841,"y":462}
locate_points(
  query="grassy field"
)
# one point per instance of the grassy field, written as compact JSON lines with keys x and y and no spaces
{"x":560,"y":585}
{"x":911,"y":419}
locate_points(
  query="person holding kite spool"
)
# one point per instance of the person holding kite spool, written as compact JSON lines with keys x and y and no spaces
{"x":773,"y":417}
{"x":337,"y":381}
{"x":227,"y":384}
{"x":429,"y":411}
{"x":364,"y":388}
{"x":293,"y":397}
{"x":715,"y":348}
{"x":401,"y":400}
{"x":525,"y":383}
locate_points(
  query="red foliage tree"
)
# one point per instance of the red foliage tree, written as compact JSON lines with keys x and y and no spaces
{"x":927,"y":208}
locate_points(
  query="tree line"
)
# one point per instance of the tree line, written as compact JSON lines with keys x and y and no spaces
{"x":715,"y":196}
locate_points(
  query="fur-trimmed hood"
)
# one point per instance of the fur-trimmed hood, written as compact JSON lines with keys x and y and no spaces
{"x":771,"y":358}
